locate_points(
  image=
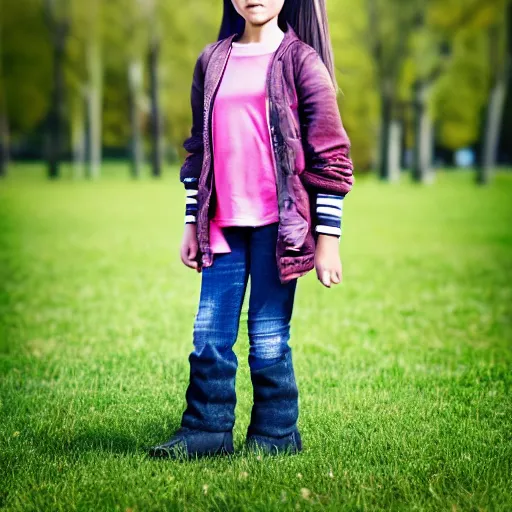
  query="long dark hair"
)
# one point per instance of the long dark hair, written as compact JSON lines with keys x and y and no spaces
{"x":308,"y":18}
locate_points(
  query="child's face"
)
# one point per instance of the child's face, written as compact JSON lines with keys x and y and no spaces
{"x":258,"y":12}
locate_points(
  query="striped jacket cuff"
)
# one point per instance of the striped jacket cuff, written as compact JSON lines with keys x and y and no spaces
{"x":329,"y":209}
{"x":191,"y":186}
{"x":329,"y":212}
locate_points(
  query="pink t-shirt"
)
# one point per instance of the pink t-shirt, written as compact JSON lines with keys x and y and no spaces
{"x":243,"y":163}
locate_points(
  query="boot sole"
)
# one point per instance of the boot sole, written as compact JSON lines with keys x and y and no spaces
{"x":181,"y":452}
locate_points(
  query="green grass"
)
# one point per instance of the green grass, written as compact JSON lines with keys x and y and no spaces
{"x":404,"y":370}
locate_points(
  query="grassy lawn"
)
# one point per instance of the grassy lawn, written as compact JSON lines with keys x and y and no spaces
{"x":404,"y":370}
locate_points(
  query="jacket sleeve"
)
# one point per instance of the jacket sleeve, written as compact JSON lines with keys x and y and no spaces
{"x":328,"y":167}
{"x":191,"y":168}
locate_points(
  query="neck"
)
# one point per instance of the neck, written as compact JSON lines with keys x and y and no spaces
{"x":261,"y":33}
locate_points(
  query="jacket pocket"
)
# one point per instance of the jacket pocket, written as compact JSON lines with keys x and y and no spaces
{"x":293,"y":140}
{"x":290,"y":147}
{"x":294,"y":225}
{"x":296,"y":158}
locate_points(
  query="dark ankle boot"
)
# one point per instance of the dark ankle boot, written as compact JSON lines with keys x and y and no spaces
{"x":187,"y":443}
{"x":207,"y":422}
{"x":273,"y":427}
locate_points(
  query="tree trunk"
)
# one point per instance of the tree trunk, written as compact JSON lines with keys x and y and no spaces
{"x":95,"y":102}
{"x":156,"y":116}
{"x":493,"y":117}
{"x":56,"y":114}
{"x":423,"y":135}
{"x":78,"y":136}
{"x":495,"y":104}
{"x":395,"y":150}
{"x":385,"y":136}
{"x":58,"y":27}
{"x":136,"y":150}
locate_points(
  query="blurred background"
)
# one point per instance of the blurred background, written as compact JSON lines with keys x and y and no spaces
{"x":404,"y":370}
{"x":424,"y":83}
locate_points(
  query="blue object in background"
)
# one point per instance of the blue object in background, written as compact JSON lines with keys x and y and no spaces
{"x":464,"y":157}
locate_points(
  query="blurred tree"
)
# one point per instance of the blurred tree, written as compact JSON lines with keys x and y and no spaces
{"x":76,"y":77}
{"x":57,"y":16}
{"x":25,"y":82}
{"x":389,"y":29}
{"x":460,"y":24}
{"x":85,"y":78}
{"x":117,"y":128}
{"x":157,"y":13}
{"x":500,"y":60}
{"x":94,"y":63}
{"x":355,"y":73}
{"x":156,"y":114}
{"x":405,"y":67}
{"x":190,"y":27}
{"x":430,"y":53}
{"x":460,"y":91}
{"x":4,"y":121}
{"x":135,"y":78}
{"x":127,"y":40}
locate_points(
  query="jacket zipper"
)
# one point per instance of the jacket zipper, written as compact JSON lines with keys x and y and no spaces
{"x":271,"y":136}
{"x":210,"y":115}
{"x":271,"y":129}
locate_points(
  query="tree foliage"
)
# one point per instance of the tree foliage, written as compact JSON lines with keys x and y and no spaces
{"x":379,"y":46}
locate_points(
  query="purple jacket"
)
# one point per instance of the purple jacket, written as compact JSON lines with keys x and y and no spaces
{"x":310,"y":145}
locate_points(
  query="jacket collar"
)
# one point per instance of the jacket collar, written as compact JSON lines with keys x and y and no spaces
{"x":290,"y":36}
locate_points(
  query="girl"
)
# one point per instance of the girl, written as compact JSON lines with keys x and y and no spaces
{"x":267,"y":170}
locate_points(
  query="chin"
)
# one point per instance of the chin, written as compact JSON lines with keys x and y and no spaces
{"x":257,"y":19}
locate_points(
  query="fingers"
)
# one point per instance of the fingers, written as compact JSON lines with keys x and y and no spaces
{"x":335,"y":276}
{"x":323,"y":276}
{"x":192,"y":254}
{"x":192,"y":251}
{"x":188,"y":257}
{"x":329,"y":277}
{"x":188,"y":263}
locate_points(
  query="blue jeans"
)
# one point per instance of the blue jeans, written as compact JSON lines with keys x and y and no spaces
{"x":211,"y":393}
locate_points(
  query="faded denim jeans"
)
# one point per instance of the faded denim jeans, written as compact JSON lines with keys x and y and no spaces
{"x":211,"y":395}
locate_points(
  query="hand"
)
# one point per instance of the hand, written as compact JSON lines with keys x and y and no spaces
{"x":190,"y":248}
{"x":327,"y":260}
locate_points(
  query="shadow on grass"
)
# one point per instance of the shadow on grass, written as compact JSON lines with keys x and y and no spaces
{"x":104,"y":439}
